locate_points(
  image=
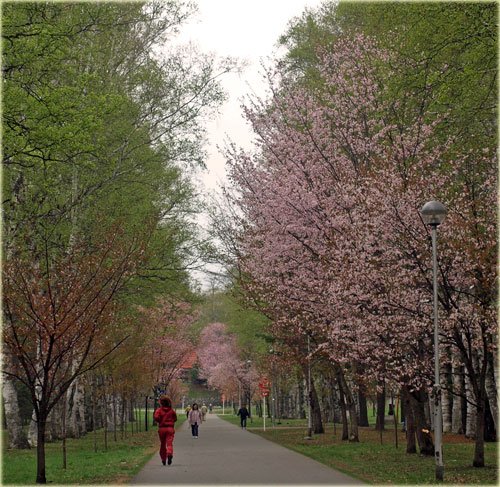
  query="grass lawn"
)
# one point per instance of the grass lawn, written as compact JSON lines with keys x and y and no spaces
{"x":118,"y":464}
{"x":258,"y":423}
{"x":377,"y":463}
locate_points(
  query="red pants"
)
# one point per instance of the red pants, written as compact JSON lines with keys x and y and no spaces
{"x":166,"y":442}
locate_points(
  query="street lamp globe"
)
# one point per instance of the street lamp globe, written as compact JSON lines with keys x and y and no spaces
{"x":433,"y":213}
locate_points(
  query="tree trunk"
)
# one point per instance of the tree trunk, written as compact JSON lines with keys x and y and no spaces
{"x":396,"y":407}
{"x":458,"y":389}
{"x":105,"y":419}
{"x":33,"y":431}
{"x":138,"y":416}
{"x":131,"y":416}
{"x":411,"y":444}
{"x":380,"y":421}
{"x":17,"y":437}
{"x":317,"y":422}
{"x":53,"y":429}
{"x":479,"y":446}
{"x":490,"y":432}
{"x":40,"y":452}
{"x":94,"y":416}
{"x":471,"y":421}
{"x":300,"y":403}
{"x":403,"y":409}
{"x":418,"y":401}
{"x":491,"y":393}
{"x":337,"y":413}
{"x":363,"y":410}
{"x":64,"y":431}
{"x":75,"y":410}
{"x":122,"y":417}
{"x":343,"y":412}
{"x":114,"y":417}
{"x":351,"y":406}
{"x":446,"y":398}
{"x":429,"y":412}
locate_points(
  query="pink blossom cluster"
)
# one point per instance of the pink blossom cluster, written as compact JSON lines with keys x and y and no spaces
{"x":333,"y":242}
{"x":222,"y":363}
{"x":166,"y":341}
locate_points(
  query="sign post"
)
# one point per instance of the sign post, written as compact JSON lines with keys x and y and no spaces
{"x":264,"y":391}
{"x":264,"y":411}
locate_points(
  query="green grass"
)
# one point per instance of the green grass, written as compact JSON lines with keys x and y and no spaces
{"x":258,"y":423}
{"x":377,"y":463}
{"x":120,"y":462}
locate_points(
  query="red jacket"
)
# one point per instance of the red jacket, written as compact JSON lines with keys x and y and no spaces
{"x":165,"y":417}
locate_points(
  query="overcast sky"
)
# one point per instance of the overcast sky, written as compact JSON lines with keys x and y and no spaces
{"x":247,"y":30}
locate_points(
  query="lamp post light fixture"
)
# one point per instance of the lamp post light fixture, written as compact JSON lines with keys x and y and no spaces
{"x":433,"y":213}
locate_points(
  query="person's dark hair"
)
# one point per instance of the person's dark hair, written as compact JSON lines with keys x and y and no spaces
{"x":165,"y":401}
{"x":195,"y":404}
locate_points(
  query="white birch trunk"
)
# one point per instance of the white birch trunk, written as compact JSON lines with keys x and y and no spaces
{"x":109,"y":412}
{"x":75,"y":409}
{"x":54,"y":423}
{"x":17,"y":437}
{"x":33,"y":429}
{"x":32,"y":432}
{"x":492,"y":394}
{"x":470,"y":430}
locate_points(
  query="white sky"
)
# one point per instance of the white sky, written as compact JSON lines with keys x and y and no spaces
{"x":248,"y":31}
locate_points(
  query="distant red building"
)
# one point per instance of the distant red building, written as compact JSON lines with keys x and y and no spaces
{"x":186,"y":366}
{"x":189,"y":361}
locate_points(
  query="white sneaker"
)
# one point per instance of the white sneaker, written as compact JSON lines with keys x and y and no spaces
{"x":196,"y":437}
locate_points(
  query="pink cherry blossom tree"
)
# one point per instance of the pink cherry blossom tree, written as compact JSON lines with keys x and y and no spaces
{"x":222,"y":362}
{"x":333,"y":243}
{"x":166,"y":342}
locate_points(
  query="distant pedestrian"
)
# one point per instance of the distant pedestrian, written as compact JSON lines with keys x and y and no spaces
{"x":243,"y":414}
{"x":188,"y":408}
{"x":165,"y":416}
{"x":195,"y":418}
{"x":204,"y":410}
{"x":210,"y":407}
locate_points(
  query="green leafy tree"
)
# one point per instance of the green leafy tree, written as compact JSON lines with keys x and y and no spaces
{"x":102,"y":130}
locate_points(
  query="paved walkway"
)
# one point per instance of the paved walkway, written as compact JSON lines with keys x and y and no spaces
{"x":226,"y":454}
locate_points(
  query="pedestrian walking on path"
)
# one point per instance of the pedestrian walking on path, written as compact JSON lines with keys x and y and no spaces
{"x":216,"y":459}
{"x":195,"y":419}
{"x":204,"y":410}
{"x":243,"y":414}
{"x":166,"y":417}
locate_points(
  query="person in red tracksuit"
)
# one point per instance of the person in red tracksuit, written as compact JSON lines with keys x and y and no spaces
{"x":165,"y":416}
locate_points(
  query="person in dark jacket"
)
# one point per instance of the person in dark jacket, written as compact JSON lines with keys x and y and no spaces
{"x":244,"y":414}
{"x":165,"y":416}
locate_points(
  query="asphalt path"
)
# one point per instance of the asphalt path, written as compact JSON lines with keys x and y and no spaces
{"x":225,"y":454}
